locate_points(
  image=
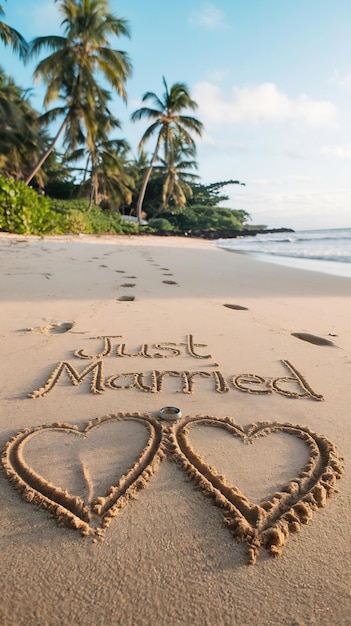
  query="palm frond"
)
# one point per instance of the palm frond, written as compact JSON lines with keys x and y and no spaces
{"x":49,"y":42}
{"x":148,"y":133}
{"x":11,"y":37}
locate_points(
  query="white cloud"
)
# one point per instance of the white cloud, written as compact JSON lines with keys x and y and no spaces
{"x":337,"y":152}
{"x":301,"y":179}
{"x":343,"y":80}
{"x":226,"y":146}
{"x":260,"y":104}
{"x":272,"y":182}
{"x":208,"y":16}
{"x":266,"y":182}
{"x":294,"y":154}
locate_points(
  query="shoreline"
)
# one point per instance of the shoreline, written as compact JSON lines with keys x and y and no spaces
{"x":331,"y":268}
{"x":334,"y":268}
{"x":99,"y":334}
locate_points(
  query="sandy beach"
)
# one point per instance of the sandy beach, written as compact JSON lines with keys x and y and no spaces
{"x":235,"y":513}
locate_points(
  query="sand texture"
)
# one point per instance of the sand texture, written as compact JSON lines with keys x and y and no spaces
{"x":236,"y":513}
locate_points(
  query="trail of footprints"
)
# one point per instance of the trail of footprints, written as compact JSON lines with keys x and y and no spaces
{"x":165,"y":271}
{"x":308,"y":337}
{"x":131,"y":285}
{"x":66,"y":326}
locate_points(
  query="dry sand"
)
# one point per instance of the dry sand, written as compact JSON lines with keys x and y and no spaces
{"x":236,"y":514}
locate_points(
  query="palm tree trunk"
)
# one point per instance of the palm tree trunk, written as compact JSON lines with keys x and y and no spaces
{"x":86,"y":170}
{"x":46,"y":154}
{"x":91,"y":199}
{"x":94,"y":184}
{"x":146,"y":180}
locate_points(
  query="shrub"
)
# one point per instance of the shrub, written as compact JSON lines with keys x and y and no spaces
{"x":205,"y":217}
{"x":104,"y":222}
{"x":97,"y":222}
{"x":160,"y":223}
{"x":23,"y":211}
{"x":129,"y":228}
{"x":77,"y":222}
{"x":66,"y":206}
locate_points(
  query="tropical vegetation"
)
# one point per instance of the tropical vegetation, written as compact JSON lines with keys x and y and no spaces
{"x":173,"y":130}
{"x":11,"y":37}
{"x":83,"y":177}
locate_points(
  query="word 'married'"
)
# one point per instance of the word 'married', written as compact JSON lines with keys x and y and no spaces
{"x":293,"y":386}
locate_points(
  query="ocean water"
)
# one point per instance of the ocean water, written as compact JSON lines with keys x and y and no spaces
{"x":326,"y":251}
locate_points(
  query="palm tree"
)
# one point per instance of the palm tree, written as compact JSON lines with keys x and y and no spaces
{"x":98,"y":125}
{"x":21,"y":137}
{"x":113,"y":184}
{"x":11,"y":37}
{"x":106,"y":173}
{"x":70,"y":71}
{"x":178,"y":177}
{"x":168,"y":121}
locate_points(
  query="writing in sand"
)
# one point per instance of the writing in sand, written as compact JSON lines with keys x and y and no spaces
{"x":293,"y":384}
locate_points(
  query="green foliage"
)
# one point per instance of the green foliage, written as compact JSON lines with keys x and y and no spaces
{"x":66,"y":206}
{"x":206,"y":217}
{"x":129,"y":228}
{"x":104,"y":222}
{"x":201,"y":210}
{"x":170,"y":126}
{"x":153,"y":197}
{"x":76,"y":63}
{"x":64,"y":189}
{"x":210,"y":195}
{"x":11,"y":37}
{"x":96,"y":221}
{"x":22,"y":137}
{"x":23,"y":211}
{"x":77,"y":222}
{"x":160,"y":223}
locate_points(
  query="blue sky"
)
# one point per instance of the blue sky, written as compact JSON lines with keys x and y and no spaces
{"x":272,"y":79}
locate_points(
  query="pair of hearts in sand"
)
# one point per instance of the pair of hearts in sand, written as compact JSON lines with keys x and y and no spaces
{"x":85,"y":475}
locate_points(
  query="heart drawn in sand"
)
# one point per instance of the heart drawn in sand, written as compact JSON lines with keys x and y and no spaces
{"x":84,"y":476}
{"x":50,"y":466}
{"x":268,"y":524}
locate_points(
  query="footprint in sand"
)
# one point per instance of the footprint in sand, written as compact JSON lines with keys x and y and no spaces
{"x":63,"y":327}
{"x":317,"y":341}
{"x":126,"y":298}
{"x":237,"y":307}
